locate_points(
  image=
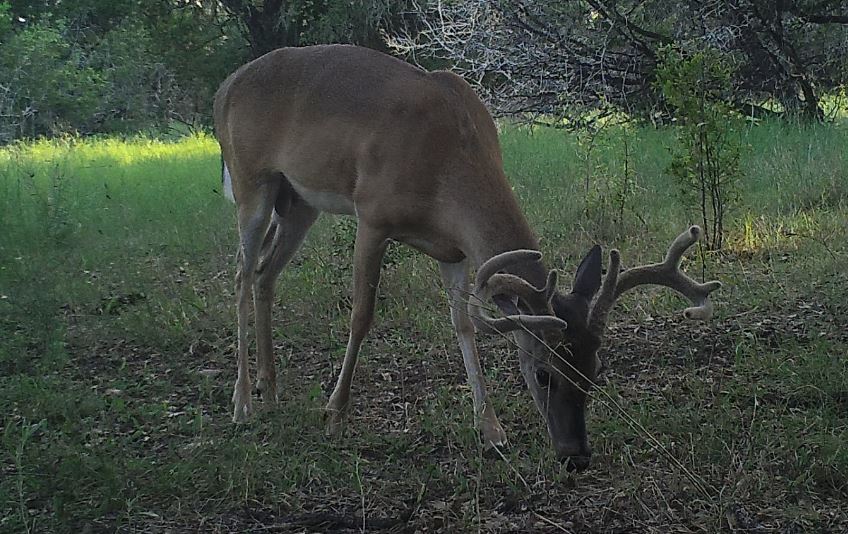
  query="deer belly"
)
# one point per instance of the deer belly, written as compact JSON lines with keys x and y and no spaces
{"x":326,"y":201}
{"x":441,"y":251}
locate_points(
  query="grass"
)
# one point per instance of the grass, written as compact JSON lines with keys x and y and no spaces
{"x":117,"y":354}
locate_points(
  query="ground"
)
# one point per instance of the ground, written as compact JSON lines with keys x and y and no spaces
{"x":116,"y":372}
{"x":413,"y":465}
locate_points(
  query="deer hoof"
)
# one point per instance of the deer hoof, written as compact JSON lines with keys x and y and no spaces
{"x":493,"y":436}
{"x":267,"y":389}
{"x":491,"y":431}
{"x":334,"y":419}
{"x":243,"y":410}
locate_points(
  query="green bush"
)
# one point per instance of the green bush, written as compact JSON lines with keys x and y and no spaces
{"x":60,"y":77}
{"x":705,"y":161}
{"x":48,"y":88}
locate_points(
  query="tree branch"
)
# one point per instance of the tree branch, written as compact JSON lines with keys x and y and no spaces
{"x":825,"y":19}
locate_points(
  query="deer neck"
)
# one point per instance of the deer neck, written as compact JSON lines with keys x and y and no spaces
{"x":503,"y":234}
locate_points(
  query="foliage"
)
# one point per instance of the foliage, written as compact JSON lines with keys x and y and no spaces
{"x":47,"y":83}
{"x":130,"y":65}
{"x":273,"y":24}
{"x":563,"y":59}
{"x":706,"y":159}
{"x":94,"y":67}
{"x":5,"y":20}
{"x":97,"y":66}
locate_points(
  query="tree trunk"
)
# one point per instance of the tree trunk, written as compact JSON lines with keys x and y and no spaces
{"x":265,"y":29}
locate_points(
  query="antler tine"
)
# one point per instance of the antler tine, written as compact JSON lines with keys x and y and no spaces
{"x":606,"y":296}
{"x":680,"y":244}
{"x":502,"y":261}
{"x":490,"y":282}
{"x":666,"y":274}
{"x":537,"y":299}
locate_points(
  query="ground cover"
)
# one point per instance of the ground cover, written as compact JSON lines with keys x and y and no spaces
{"x":117,"y":355}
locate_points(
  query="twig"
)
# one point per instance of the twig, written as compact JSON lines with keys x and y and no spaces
{"x":550,"y":522}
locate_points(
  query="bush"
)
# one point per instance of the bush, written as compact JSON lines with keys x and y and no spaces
{"x":58,"y":80}
{"x":142,"y":92}
{"x":47,"y":86}
{"x":705,"y":161}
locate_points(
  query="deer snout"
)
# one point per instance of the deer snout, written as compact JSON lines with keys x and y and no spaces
{"x":576,"y":457}
{"x":576,"y":463}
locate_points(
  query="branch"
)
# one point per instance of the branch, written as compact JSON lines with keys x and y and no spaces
{"x":825,"y":19}
{"x":749,"y":109}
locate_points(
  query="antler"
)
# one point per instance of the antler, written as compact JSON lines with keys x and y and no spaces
{"x":490,"y":283}
{"x":666,"y":274}
{"x":538,"y":300}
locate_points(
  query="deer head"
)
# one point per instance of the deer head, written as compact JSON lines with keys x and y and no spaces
{"x":558,"y":335}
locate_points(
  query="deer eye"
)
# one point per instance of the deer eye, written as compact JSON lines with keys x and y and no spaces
{"x":543,"y":378}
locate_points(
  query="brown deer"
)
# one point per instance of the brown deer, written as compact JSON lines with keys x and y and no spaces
{"x":414,"y":156}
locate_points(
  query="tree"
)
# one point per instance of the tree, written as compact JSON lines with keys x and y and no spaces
{"x":561,"y":58}
{"x":276,"y":23}
{"x":46,"y":85}
{"x":103,"y":66}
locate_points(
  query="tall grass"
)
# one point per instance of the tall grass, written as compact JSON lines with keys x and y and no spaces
{"x":86,"y":221}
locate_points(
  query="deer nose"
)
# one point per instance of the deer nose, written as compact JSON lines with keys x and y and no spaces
{"x":577,"y":457}
{"x":576,"y":463}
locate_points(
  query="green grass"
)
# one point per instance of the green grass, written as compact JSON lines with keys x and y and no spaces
{"x":117,"y":353}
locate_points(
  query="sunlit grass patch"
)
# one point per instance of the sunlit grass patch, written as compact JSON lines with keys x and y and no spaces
{"x":88,"y":153}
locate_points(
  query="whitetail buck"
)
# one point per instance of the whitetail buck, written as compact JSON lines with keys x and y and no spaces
{"x":414,"y":156}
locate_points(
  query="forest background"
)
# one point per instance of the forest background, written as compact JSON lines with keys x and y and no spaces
{"x":126,"y":66}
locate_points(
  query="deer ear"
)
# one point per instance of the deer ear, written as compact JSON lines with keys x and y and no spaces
{"x":587,"y":281}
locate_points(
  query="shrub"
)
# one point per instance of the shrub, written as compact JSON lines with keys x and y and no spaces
{"x":705,"y":161}
{"x":47,"y":87}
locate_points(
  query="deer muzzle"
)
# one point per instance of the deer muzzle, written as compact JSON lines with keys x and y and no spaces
{"x":576,"y":455}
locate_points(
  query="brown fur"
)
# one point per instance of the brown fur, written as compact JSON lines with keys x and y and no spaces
{"x":415,"y":157}
{"x":416,"y":152}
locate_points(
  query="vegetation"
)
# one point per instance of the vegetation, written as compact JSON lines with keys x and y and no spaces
{"x":117,"y":358}
{"x":564,"y":58}
{"x":123,"y":66}
{"x":706,"y":159}
{"x":117,"y":260}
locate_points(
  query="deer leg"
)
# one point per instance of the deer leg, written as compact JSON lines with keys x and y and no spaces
{"x":254,"y":213}
{"x":288,"y":234}
{"x":455,"y":276}
{"x":367,"y":258}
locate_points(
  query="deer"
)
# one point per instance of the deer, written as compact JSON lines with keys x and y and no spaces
{"x":414,"y":156}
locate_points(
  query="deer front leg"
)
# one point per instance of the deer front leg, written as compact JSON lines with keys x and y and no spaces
{"x":455,"y":276}
{"x":367,"y":257}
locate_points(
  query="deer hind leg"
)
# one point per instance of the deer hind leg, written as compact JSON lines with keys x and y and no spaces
{"x":254,"y":212}
{"x":289,"y":229}
{"x":455,"y":277}
{"x":367,"y":259}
